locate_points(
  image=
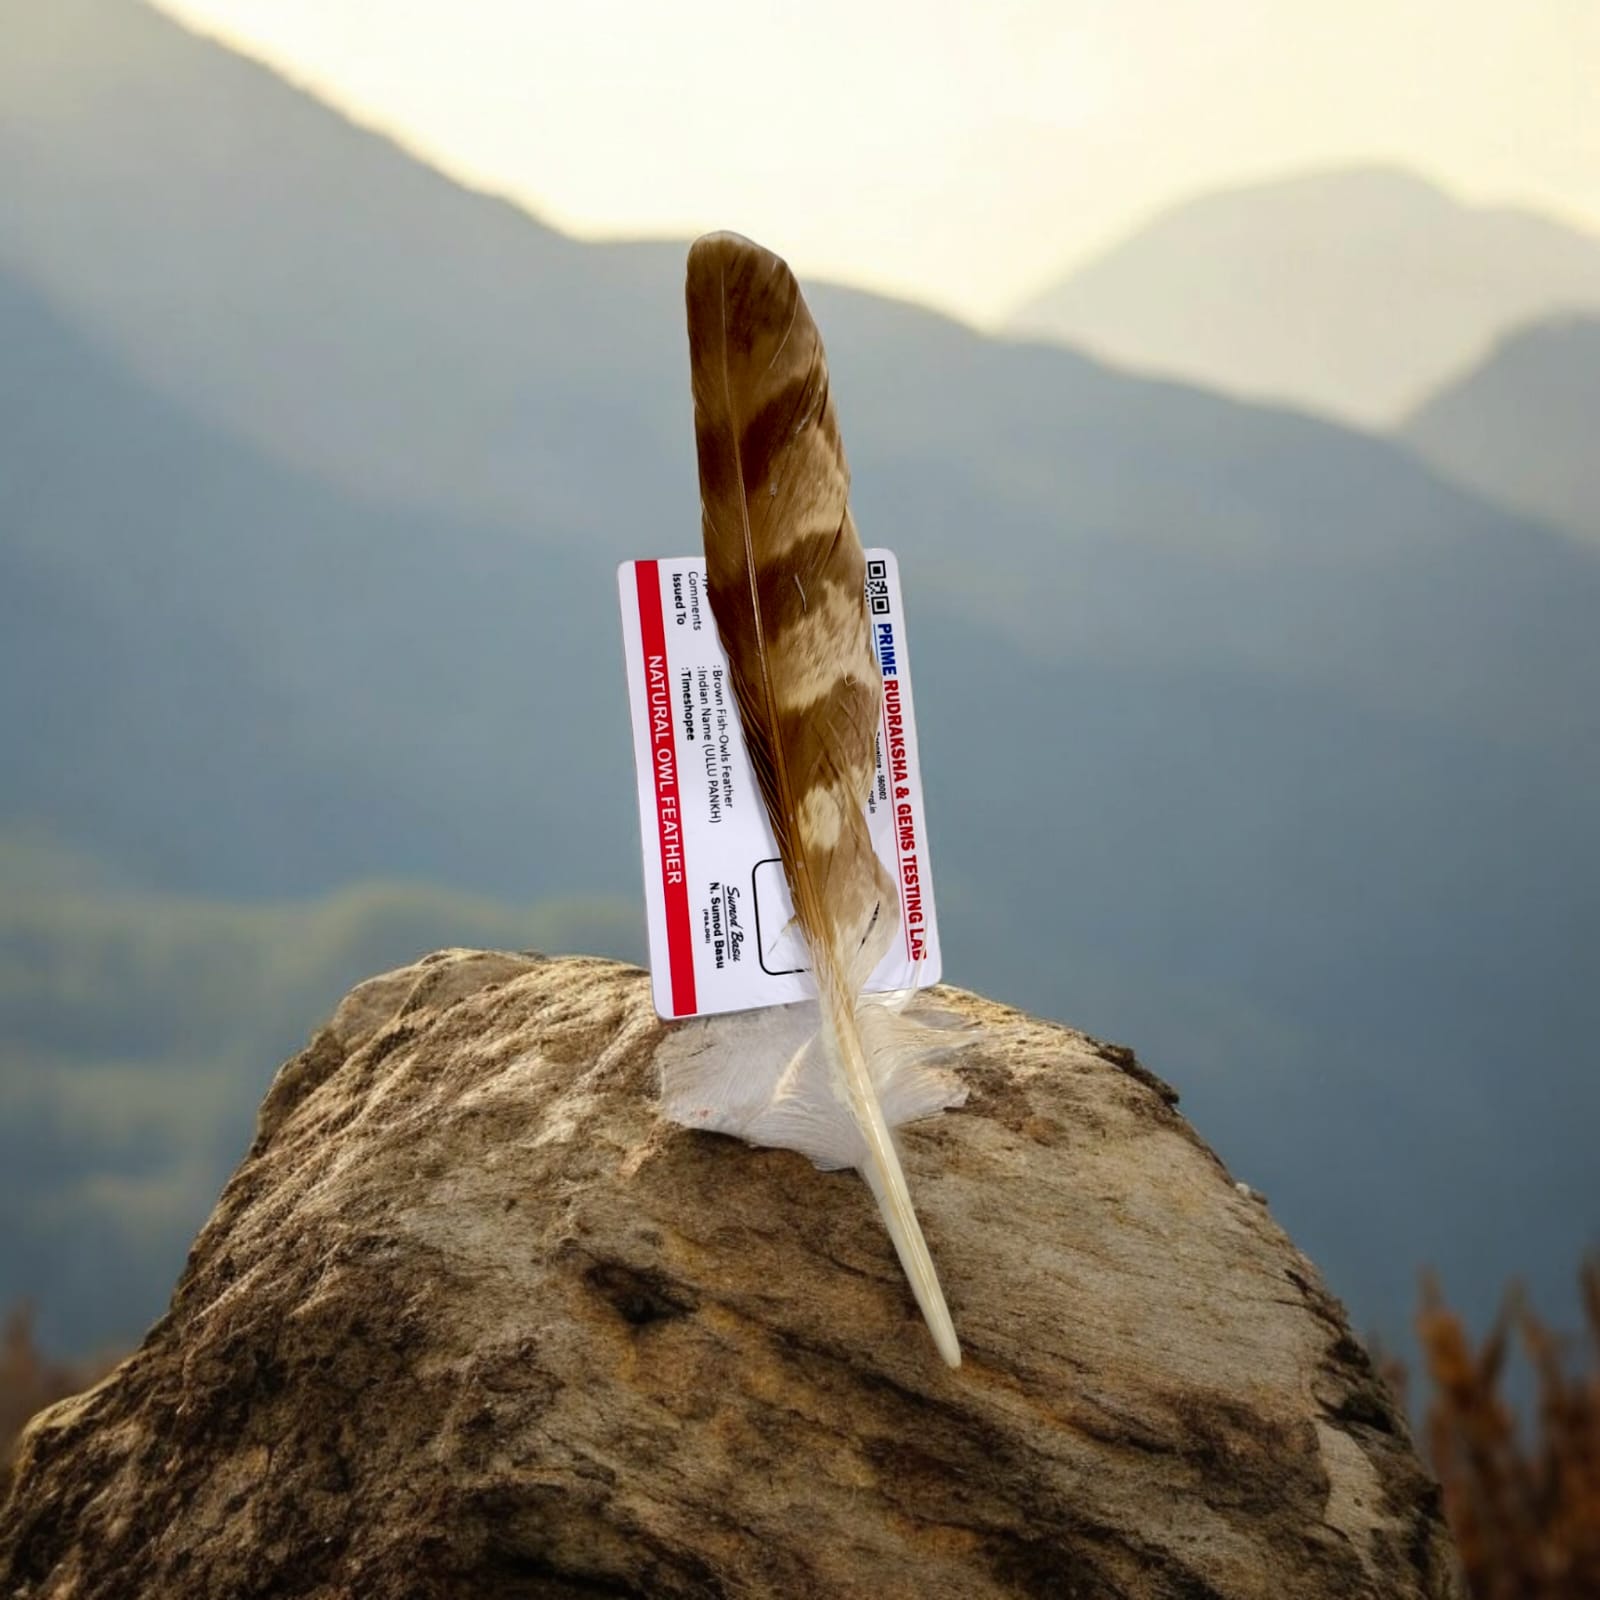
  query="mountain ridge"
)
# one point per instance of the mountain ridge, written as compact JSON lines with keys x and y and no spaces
{"x":1350,"y":292}
{"x":1519,"y":427}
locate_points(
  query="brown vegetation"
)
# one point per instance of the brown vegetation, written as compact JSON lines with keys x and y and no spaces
{"x":1524,"y":1504}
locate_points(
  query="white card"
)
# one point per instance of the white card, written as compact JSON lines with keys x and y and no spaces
{"x":715,"y":896}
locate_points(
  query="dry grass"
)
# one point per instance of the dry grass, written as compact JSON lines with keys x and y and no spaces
{"x":1523,"y":1499}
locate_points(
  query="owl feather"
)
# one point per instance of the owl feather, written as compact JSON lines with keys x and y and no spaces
{"x":785,"y":579}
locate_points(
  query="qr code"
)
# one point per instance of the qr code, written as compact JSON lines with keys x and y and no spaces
{"x":878,"y":588}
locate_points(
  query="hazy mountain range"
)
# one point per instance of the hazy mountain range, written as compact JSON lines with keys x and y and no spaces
{"x":1524,"y":426}
{"x":1247,"y":738}
{"x":1353,"y":293}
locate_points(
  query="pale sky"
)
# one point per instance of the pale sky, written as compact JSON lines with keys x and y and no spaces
{"x":959,"y":154}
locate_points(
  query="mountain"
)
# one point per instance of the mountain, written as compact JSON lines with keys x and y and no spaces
{"x":287,"y":242}
{"x":1351,"y":293}
{"x":223,"y":669}
{"x":1521,"y":427}
{"x":313,"y":291}
{"x":1246,"y":737}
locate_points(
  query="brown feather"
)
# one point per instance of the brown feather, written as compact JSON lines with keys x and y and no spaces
{"x":785,"y":578}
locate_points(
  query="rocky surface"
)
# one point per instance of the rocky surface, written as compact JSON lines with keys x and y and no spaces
{"x":471,"y":1320}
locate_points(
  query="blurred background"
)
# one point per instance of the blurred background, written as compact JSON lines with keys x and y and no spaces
{"x":1227,"y":380}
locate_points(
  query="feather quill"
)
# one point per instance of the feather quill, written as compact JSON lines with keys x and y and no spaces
{"x":785,"y":578}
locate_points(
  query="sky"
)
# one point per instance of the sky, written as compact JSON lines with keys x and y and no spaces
{"x":964,"y":155}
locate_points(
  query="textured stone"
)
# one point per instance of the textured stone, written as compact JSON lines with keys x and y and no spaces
{"x":471,"y":1320}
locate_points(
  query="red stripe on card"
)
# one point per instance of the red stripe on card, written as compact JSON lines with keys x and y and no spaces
{"x":664,"y":767}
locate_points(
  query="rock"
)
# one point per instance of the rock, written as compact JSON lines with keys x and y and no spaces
{"x":470,"y":1320}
